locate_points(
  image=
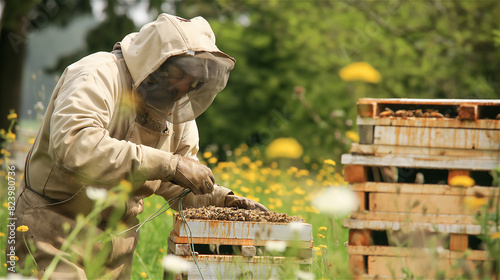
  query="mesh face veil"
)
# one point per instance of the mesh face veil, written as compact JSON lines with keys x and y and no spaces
{"x":184,"y":86}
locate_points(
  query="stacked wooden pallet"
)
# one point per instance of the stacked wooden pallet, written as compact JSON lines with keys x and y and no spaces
{"x":236,"y":249}
{"x":411,"y":221}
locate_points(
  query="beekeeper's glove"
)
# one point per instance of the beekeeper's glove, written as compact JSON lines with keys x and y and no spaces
{"x":193,"y":175}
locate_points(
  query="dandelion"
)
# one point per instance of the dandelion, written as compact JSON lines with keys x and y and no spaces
{"x":144,"y":274}
{"x":495,"y":235}
{"x":336,"y":201}
{"x":462,"y":181}
{"x":299,"y":191}
{"x":9,"y":137}
{"x":126,"y":185}
{"x":276,"y":246}
{"x":322,"y":228}
{"x":22,"y":228}
{"x":175,"y":264}
{"x":31,"y":141}
{"x":96,"y":193}
{"x":2,"y":234}
{"x":212,"y":160}
{"x":323,"y":246}
{"x":320,"y":235}
{"x":207,"y":154}
{"x":12,"y":116}
{"x":354,"y":136}
{"x":360,"y":71}
{"x":5,"y":204}
{"x":284,"y":148}
{"x":161,"y":250}
{"x":330,"y":162}
{"x":474,"y":203}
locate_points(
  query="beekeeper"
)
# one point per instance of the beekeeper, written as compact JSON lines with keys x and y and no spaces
{"x":125,"y":115}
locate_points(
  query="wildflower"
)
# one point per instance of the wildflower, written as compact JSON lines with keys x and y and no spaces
{"x":225,"y":176}
{"x":320,"y":235}
{"x":161,"y":250}
{"x":2,"y":234}
{"x":323,"y":246}
{"x":9,"y":137}
{"x":169,"y":213}
{"x":309,"y":182}
{"x":144,"y":274}
{"x":96,"y":193}
{"x":354,"y":136}
{"x":319,"y":253}
{"x":336,"y":201}
{"x":126,"y":185}
{"x":299,"y":191}
{"x":22,"y":228}
{"x":244,"y":189}
{"x":212,"y":160}
{"x":5,"y":204}
{"x":495,"y":235}
{"x":276,"y":246}
{"x":175,"y":264}
{"x":330,"y":162}
{"x":12,"y":116}
{"x":474,"y":203}
{"x":31,"y":141}
{"x":322,"y":228}
{"x":303,"y":275}
{"x":462,"y":181}
{"x":207,"y":154}
{"x":258,"y":189}
{"x":361,"y":71}
{"x":284,"y":148}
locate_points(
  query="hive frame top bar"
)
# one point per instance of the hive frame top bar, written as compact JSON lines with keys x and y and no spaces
{"x":430,"y":101}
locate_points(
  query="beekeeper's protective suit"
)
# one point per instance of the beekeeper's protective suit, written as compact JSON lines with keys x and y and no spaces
{"x":128,"y":115}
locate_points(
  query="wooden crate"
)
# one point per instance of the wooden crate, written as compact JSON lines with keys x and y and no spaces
{"x":401,"y":218}
{"x":234,"y":249}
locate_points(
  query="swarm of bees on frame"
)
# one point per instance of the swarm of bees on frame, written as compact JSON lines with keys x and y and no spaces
{"x":419,"y":113}
{"x":234,"y":214}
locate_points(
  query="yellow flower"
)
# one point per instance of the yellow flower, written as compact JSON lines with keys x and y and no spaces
{"x":360,"y":71}
{"x":495,"y":235}
{"x":2,"y":234}
{"x":322,"y":228}
{"x":225,"y":176}
{"x":354,"y":136}
{"x":4,"y":151}
{"x":147,"y":203}
{"x":462,"y":181}
{"x":320,"y":235}
{"x":323,"y":246}
{"x":12,"y":116}
{"x":31,"y":141}
{"x":6,"y":205}
{"x":284,"y":148}
{"x":299,"y":191}
{"x":330,"y":162}
{"x":207,"y":154}
{"x":258,"y":189}
{"x":319,"y":253}
{"x":143,"y":274}
{"x":22,"y":228}
{"x":126,"y":185}
{"x":161,"y":250}
{"x":474,"y":203}
{"x":309,"y":182}
{"x":10,"y":137}
{"x":244,"y":189}
{"x":212,"y":160}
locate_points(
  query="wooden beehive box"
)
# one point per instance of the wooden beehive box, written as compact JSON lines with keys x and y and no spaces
{"x":235,"y":249}
{"x":415,"y":222}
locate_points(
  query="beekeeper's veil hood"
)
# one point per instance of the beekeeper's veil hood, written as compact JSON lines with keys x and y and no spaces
{"x":180,"y":65}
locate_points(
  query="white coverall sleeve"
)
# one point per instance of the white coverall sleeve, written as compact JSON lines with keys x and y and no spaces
{"x":81,"y":144}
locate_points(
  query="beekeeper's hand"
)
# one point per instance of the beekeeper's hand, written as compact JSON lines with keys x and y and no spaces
{"x":193,"y":175}
{"x":244,"y":203}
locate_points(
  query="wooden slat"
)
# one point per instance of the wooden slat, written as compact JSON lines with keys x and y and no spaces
{"x":415,"y":161}
{"x":429,"y":122}
{"x":424,"y":101}
{"x":418,"y":203}
{"x":390,"y":251}
{"x":381,"y":150}
{"x":459,"y":242}
{"x":415,"y":218}
{"x":228,"y":241}
{"x":468,"y":112}
{"x":395,"y":266}
{"x":389,"y":225}
{"x":355,"y":173}
{"x":482,"y":139}
{"x":424,"y":189}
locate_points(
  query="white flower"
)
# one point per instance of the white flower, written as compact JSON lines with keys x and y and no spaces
{"x":296,"y":226}
{"x":96,"y":193}
{"x":175,"y":264}
{"x":337,"y":201}
{"x":302,"y":275}
{"x":276,"y":246}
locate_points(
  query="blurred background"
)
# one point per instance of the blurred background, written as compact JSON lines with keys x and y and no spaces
{"x":288,"y":80}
